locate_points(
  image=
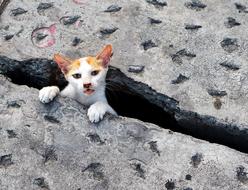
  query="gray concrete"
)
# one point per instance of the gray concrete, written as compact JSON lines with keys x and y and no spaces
{"x":55,"y":147}
{"x":220,"y":39}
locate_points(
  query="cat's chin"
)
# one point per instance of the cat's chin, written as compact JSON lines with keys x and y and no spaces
{"x":89,"y":92}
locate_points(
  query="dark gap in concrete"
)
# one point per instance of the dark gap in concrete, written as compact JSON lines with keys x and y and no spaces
{"x":134,"y":99}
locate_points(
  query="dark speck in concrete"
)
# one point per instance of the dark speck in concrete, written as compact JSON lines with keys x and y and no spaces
{"x":188,"y":177}
{"x":96,"y":169}
{"x":43,"y":6}
{"x":241,"y":8}
{"x":108,"y":31}
{"x":154,"y":147}
{"x":195,"y":5}
{"x":148,"y":44}
{"x":180,"y":79}
{"x":229,"y":44}
{"x":192,"y":27}
{"x":241,"y":174}
{"x":157,"y":3}
{"x":188,"y":188}
{"x":11,"y":134}
{"x":68,"y":20}
{"x":230,"y":66}
{"x":76,"y":41}
{"x":113,"y":8}
{"x":177,"y":57}
{"x":6,"y":160}
{"x":95,"y":138}
{"x":136,"y":68}
{"x":231,"y":22}
{"x":154,"y":21}
{"x":41,"y":182}
{"x":8,"y":37}
{"x":18,"y":11}
{"x":140,"y":170}
{"x":51,"y":119}
{"x":14,"y":104}
{"x":216,"y":93}
{"x":196,"y":159}
{"x":170,"y":185}
{"x":217,"y":103}
{"x":50,"y":154}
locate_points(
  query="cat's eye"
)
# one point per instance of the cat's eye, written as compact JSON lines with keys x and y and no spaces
{"x":94,"y":73}
{"x":76,"y":76}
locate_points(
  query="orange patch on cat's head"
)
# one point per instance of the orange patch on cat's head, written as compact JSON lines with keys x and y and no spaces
{"x":96,"y":64}
{"x":73,"y":66}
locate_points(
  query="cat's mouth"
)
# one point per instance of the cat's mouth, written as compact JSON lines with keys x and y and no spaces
{"x":89,"y":91}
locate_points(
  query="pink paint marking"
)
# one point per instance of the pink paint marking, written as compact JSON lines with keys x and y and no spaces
{"x":79,"y":1}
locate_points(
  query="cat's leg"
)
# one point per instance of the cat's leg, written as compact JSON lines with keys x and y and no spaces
{"x":47,"y":94}
{"x":97,"y":110}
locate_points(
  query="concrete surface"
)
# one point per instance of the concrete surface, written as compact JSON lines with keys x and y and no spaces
{"x":55,"y":147}
{"x":189,"y":48}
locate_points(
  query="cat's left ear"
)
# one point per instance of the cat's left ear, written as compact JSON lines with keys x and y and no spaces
{"x":105,"y":55}
{"x":63,"y":62}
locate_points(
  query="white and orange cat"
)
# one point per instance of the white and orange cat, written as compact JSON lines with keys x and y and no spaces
{"x":86,"y":83}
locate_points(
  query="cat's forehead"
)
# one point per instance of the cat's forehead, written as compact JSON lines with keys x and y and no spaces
{"x":89,"y":63}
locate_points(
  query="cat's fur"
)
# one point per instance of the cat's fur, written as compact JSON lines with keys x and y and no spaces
{"x":86,"y":83}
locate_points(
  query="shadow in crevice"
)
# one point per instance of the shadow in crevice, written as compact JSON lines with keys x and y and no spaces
{"x":134,"y":99}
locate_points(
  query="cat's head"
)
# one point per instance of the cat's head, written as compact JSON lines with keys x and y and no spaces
{"x":86,"y":74}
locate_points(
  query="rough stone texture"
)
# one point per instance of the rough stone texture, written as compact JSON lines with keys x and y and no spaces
{"x":54,"y":146}
{"x":209,"y":44}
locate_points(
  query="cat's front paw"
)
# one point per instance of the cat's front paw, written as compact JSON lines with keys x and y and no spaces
{"x":47,"y":94}
{"x":97,"y":111}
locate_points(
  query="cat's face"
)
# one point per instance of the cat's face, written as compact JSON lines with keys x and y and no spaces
{"x":86,"y":74}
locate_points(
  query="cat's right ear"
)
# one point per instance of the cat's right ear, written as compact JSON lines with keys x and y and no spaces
{"x":62,"y":62}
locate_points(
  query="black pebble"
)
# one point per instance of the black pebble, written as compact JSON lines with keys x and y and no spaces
{"x":195,"y":5}
{"x":180,"y":79}
{"x":13,"y":104}
{"x":192,"y":27}
{"x":229,"y":44}
{"x":6,"y":160}
{"x":76,"y":41}
{"x":148,"y":44}
{"x":107,"y":31}
{"x":51,"y":119}
{"x":95,"y":138}
{"x":140,"y":170}
{"x":188,"y":188}
{"x":196,"y":159}
{"x":113,"y":8}
{"x":18,"y":11}
{"x":241,"y":174}
{"x":154,"y":21}
{"x":68,"y":20}
{"x":170,"y":185}
{"x":216,"y":93}
{"x":231,"y":22}
{"x":188,"y":177}
{"x":230,"y":66}
{"x":154,"y":147}
{"x":11,"y":134}
{"x":241,"y":8}
{"x":43,"y":6}
{"x":158,"y":3}
{"x":136,"y":68}
{"x":40,"y":182}
{"x":8,"y":37}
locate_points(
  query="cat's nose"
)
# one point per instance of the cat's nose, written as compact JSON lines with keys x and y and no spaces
{"x":87,"y":85}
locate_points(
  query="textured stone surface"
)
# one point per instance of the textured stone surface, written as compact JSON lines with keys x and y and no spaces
{"x":169,"y":54}
{"x":54,"y":146}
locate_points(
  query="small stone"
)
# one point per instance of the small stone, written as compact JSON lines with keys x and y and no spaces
{"x":6,"y":160}
{"x":216,"y":93}
{"x":170,"y":185}
{"x":43,"y":6}
{"x":69,"y":20}
{"x":154,"y":21}
{"x":51,"y":119}
{"x":180,"y":79}
{"x":241,"y":174}
{"x":231,"y":22}
{"x":157,"y":3}
{"x":108,"y":31}
{"x":18,"y":11}
{"x":195,"y":5}
{"x":188,"y":177}
{"x":76,"y":41}
{"x":192,"y":27}
{"x":230,"y":66}
{"x":148,"y":44}
{"x":113,"y":8}
{"x":11,"y":134}
{"x":241,"y":8}
{"x":14,"y":104}
{"x":8,"y":37}
{"x":196,"y":159}
{"x":40,"y":182}
{"x":154,"y":147}
{"x":136,"y":68}
{"x":229,"y":44}
{"x":217,"y":103}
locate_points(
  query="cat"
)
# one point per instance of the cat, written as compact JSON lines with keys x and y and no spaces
{"x":86,"y":83}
